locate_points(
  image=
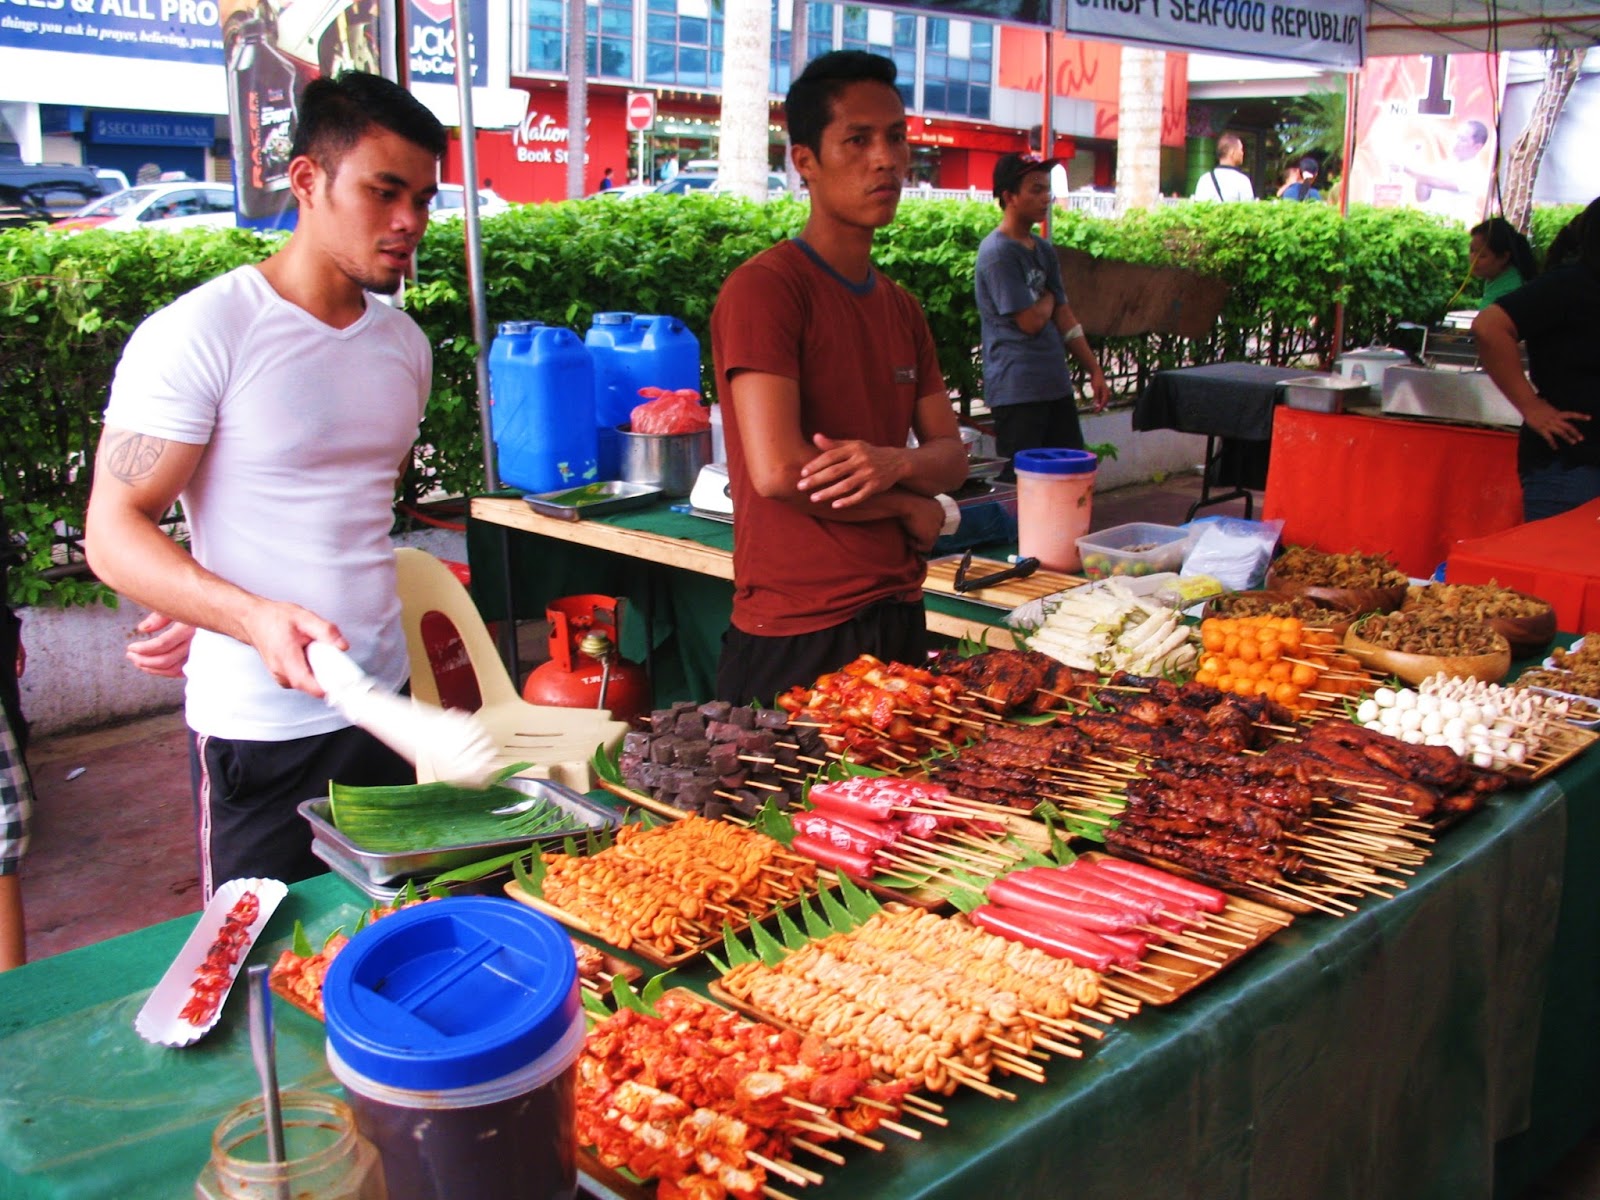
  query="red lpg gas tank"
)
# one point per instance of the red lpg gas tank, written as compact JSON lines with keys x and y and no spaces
{"x":573,"y":678}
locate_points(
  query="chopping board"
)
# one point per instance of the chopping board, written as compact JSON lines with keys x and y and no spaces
{"x":1007,"y":595}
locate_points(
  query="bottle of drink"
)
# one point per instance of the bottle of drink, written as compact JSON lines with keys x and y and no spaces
{"x":262,"y":116}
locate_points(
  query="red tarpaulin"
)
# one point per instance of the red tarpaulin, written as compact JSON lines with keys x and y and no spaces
{"x":1382,"y":485}
{"x":1557,"y":559}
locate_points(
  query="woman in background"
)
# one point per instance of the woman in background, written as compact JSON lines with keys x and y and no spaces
{"x":1501,"y":257}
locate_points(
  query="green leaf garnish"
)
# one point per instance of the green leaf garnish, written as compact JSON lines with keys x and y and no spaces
{"x":790,"y":932}
{"x":815,"y":925}
{"x":838,"y":916}
{"x":594,"y":1005}
{"x":768,"y":947}
{"x":654,"y":988}
{"x":738,"y":955}
{"x":775,"y":823}
{"x":605,"y":766}
{"x":301,"y":944}
{"x":862,"y":905}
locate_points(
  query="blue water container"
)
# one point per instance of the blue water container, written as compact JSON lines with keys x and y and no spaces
{"x":541,"y":407}
{"x":632,"y":351}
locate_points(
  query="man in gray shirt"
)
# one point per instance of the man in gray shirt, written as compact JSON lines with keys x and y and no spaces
{"x":1026,"y":323}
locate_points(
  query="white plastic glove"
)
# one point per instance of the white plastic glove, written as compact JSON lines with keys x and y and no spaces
{"x":442,"y":743}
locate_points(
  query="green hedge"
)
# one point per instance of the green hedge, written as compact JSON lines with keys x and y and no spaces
{"x":70,"y":302}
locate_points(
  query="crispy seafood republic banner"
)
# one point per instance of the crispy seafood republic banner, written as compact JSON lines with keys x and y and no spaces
{"x":271,"y":52}
{"x":1328,"y":33}
{"x":1425,"y":134}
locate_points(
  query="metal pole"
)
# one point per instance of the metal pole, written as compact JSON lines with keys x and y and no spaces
{"x":1047,"y":137}
{"x":469,"y":195}
{"x":1352,"y":93}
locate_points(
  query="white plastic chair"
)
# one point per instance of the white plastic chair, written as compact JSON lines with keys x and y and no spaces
{"x":559,"y":741}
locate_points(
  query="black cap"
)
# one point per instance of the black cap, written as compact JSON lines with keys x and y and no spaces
{"x":1012,"y":169}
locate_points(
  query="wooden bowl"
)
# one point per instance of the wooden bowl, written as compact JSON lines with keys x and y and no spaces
{"x":1355,"y":600}
{"x":1525,"y":634}
{"x":1414,"y":668}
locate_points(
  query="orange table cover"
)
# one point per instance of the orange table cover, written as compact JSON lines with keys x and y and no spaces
{"x":1557,"y":559}
{"x":1386,"y":485}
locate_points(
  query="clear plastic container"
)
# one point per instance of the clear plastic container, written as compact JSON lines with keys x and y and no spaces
{"x":1139,"y":548}
{"x":326,"y":1158}
{"x":1055,"y":493}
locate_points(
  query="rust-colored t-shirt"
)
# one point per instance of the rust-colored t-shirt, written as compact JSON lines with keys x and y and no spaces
{"x":863,"y":354}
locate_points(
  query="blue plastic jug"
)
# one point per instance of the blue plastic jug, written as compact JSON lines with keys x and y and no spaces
{"x":632,"y":351}
{"x":541,"y":408}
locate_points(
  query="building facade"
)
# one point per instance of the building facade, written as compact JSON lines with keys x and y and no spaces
{"x":140,"y":83}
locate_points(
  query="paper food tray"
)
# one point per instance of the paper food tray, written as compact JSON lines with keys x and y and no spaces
{"x":158,"y":1021}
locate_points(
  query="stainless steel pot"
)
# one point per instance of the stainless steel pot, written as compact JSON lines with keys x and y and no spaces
{"x":669,"y":461}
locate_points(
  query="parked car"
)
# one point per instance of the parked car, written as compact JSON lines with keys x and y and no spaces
{"x":695,"y":181}
{"x":32,"y":192}
{"x":622,"y":191}
{"x":451,"y":201}
{"x":166,"y":206}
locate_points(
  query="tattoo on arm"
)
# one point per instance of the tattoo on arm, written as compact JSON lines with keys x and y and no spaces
{"x":132,"y":457}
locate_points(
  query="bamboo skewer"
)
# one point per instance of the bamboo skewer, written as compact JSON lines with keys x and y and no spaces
{"x":794,"y":1174}
{"x":772,"y":1193}
{"x":812,"y":1148}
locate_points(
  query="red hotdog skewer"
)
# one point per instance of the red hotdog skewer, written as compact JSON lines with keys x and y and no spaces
{"x":1207,"y":899}
{"x":1096,"y":918}
{"x":857,"y":866}
{"x":1079,"y":946}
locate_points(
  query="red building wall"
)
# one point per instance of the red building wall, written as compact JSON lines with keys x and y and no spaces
{"x":529,"y":163}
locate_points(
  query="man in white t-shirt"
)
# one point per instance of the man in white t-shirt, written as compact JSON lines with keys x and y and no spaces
{"x":279,"y":402}
{"x":1226,"y":181}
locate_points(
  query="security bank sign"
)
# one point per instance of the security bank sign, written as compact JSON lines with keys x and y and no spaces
{"x":1328,"y":33}
{"x":431,"y":40}
{"x":173,"y":30}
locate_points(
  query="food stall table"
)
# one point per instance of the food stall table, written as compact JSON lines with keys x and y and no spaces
{"x":1381,"y":1055}
{"x":1556,"y":559}
{"x":1387,"y":485}
{"x":1231,"y":404}
{"x":675,"y":569}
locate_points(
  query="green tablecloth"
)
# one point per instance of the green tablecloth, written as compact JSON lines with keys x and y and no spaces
{"x":685,"y":612}
{"x":1383,"y":1055}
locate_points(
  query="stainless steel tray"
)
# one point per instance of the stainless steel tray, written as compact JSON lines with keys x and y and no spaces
{"x":593,"y":499}
{"x":385,"y":868}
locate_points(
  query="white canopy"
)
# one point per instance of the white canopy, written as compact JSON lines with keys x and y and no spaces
{"x":1465,"y":26}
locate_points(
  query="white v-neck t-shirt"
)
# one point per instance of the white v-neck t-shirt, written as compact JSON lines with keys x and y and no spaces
{"x":305,"y":428}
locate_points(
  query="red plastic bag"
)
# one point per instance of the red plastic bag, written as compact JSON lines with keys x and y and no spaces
{"x":670,"y":412}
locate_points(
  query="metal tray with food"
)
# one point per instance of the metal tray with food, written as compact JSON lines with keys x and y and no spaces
{"x":381,"y":867}
{"x":593,"y":499}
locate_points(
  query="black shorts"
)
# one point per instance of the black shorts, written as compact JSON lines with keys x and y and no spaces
{"x":760,"y":668}
{"x":246,"y":793}
{"x":1041,"y":425}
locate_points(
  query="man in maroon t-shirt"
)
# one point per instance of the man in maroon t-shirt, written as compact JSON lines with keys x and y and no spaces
{"x":823,"y":367}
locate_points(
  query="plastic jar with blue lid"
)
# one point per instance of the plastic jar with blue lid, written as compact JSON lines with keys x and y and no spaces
{"x":1055,"y":493}
{"x":454,"y":1027}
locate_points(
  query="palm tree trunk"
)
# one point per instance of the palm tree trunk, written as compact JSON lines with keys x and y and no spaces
{"x":1139,"y":96}
{"x":577,"y":96}
{"x":799,"y":37}
{"x":742,"y":155}
{"x":1522,"y":164}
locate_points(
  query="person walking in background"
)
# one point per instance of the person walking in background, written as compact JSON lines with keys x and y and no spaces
{"x":279,"y":402}
{"x":606,"y":182}
{"x":1027,"y":327}
{"x":16,"y":787}
{"x":1227,"y":180}
{"x":823,"y":367}
{"x":1305,"y":187}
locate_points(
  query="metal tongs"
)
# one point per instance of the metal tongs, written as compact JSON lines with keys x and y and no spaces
{"x":1020,"y":569}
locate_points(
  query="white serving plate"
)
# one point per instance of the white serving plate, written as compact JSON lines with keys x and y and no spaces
{"x":158,"y":1021}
